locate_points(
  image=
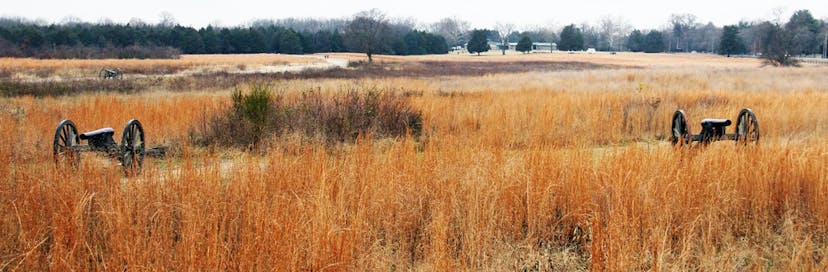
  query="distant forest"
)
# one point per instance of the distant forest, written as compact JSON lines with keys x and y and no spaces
{"x":21,"y":38}
{"x":370,"y":32}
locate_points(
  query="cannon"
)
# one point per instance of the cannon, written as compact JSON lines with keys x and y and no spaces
{"x":110,"y":73}
{"x":67,"y":147}
{"x":715,"y":129}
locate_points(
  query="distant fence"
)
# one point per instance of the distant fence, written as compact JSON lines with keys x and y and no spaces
{"x":813,"y":60}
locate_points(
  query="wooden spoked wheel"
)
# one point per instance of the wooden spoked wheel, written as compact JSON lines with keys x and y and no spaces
{"x":680,"y":131}
{"x":747,"y":127}
{"x":66,"y":136}
{"x":132,"y":146}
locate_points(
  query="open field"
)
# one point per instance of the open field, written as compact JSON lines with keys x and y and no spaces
{"x":73,"y":68}
{"x":550,"y":170}
{"x":620,"y":59}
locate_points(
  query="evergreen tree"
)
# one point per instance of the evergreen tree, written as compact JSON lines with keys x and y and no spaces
{"x":337,"y":43}
{"x":636,"y":41}
{"x":290,"y":42}
{"x":524,"y":45}
{"x":654,"y":42}
{"x":415,"y":43}
{"x":436,"y":44}
{"x":478,"y":42}
{"x":731,"y":42}
{"x":804,"y":32}
{"x":571,"y":39}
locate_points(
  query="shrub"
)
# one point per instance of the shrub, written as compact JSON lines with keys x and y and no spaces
{"x":338,"y":117}
{"x":254,"y":107}
{"x":774,"y":44}
{"x":15,"y":87}
{"x":346,"y":115}
{"x":244,"y":125}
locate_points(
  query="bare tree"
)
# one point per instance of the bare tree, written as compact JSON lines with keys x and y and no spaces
{"x":454,"y":30}
{"x":367,"y":32}
{"x":167,"y":19}
{"x":777,"y":14}
{"x":305,"y":24}
{"x":775,"y":43}
{"x":706,"y":38}
{"x":70,"y":20}
{"x":825,"y":46}
{"x":825,"y":41}
{"x":503,"y":31}
{"x":137,"y":22}
{"x":540,"y":33}
{"x":613,"y":29}
{"x":591,"y":35}
{"x":682,"y":24}
{"x":825,"y":34}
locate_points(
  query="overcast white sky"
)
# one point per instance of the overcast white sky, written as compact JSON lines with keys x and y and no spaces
{"x":525,"y":13}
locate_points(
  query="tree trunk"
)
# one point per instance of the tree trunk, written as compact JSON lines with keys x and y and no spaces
{"x":370,"y":58}
{"x":825,"y":47}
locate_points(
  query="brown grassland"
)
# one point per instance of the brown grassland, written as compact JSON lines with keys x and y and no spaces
{"x":535,"y":171}
{"x":27,"y":68}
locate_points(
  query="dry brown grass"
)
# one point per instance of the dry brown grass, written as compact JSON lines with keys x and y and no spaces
{"x":601,"y":58}
{"x":533,"y":171}
{"x":26,"y":67}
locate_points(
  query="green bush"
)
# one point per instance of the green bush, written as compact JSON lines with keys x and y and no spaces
{"x":254,"y":107}
{"x":244,"y":125}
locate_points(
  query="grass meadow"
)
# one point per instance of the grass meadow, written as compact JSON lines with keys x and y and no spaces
{"x":532,"y":171}
{"x":30,"y":69}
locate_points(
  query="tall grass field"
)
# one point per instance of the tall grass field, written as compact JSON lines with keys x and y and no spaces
{"x":564,"y":170}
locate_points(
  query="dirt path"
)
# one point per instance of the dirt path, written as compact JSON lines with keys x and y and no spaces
{"x":325,"y":63}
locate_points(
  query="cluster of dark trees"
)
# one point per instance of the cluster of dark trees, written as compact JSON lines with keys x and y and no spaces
{"x":801,"y":35}
{"x":20,"y":38}
{"x":652,"y":42}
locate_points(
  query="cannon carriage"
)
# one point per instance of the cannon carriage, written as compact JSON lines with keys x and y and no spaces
{"x":715,"y":129}
{"x":67,"y":146}
{"x":106,"y":73}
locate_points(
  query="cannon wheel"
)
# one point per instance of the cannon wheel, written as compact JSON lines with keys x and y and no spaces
{"x":680,"y":133}
{"x":747,"y":127}
{"x":103,"y":74}
{"x":118,"y":74}
{"x":132,"y":146}
{"x":66,"y":136}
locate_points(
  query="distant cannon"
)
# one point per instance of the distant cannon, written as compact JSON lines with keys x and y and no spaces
{"x":747,"y":129}
{"x":111,"y":73}
{"x":130,"y":152}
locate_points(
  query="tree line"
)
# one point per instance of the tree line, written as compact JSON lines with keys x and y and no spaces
{"x":776,"y":41}
{"x":371,"y":32}
{"x":20,"y":38}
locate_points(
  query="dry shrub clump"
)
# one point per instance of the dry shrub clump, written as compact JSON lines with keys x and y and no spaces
{"x":11,"y":88}
{"x":331,"y":117}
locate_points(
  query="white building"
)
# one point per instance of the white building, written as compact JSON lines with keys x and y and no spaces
{"x":538,"y":46}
